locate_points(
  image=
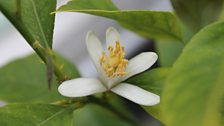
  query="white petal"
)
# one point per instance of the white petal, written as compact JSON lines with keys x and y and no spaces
{"x":81,"y":87}
{"x":112,"y":35}
{"x":136,"y":94}
{"x":140,"y":63}
{"x":94,"y":47}
{"x":95,"y":50}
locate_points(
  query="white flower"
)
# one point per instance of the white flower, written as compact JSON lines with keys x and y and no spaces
{"x":113,"y":69}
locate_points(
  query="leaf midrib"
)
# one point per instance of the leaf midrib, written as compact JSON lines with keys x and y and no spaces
{"x":39,"y":24}
{"x":52,"y":116}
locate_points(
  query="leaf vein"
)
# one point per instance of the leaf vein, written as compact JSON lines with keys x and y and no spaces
{"x":51,"y":117}
{"x":39,"y":23}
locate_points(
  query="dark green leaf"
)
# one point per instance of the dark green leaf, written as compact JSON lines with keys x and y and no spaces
{"x":32,"y":18}
{"x":194,"y":90}
{"x":150,"y":24}
{"x":35,"y":115}
{"x":168,"y":52}
{"x":153,"y":81}
{"x":198,"y":13}
{"x":119,"y":103}
{"x":25,"y":80}
{"x":95,"y":115}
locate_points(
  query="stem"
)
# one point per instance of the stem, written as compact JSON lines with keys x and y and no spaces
{"x":46,"y":53}
{"x":112,"y":109}
{"x":73,"y":104}
{"x":59,"y":72}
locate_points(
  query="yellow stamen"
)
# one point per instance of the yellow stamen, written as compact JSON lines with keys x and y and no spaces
{"x":114,"y":64}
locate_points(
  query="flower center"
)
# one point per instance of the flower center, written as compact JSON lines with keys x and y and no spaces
{"x":114,"y":64}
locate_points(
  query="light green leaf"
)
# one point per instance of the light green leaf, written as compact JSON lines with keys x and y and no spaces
{"x":153,"y":81}
{"x":95,"y":115}
{"x":35,"y":115}
{"x":32,"y":19}
{"x":198,"y":13}
{"x":222,"y":114}
{"x":25,"y":80}
{"x":150,"y":24}
{"x":194,"y":90}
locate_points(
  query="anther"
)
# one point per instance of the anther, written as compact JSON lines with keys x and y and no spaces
{"x":114,"y":64}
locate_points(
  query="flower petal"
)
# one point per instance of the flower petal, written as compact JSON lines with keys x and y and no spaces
{"x":94,"y":47}
{"x":140,"y":63}
{"x":81,"y":87}
{"x":95,"y":50}
{"x":112,"y":35}
{"x":136,"y":94}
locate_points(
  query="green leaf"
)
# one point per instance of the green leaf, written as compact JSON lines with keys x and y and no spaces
{"x":168,"y":52}
{"x":25,"y":80}
{"x":32,"y":19}
{"x":150,"y":24}
{"x":35,"y":115}
{"x":194,"y":90}
{"x":120,"y":105}
{"x":198,"y":13}
{"x":90,"y":5}
{"x":222,"y":114}
{"x":153,"y":81}
{"x":95,"y":115}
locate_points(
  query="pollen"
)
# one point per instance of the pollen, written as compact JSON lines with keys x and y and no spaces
{"x":114,"y":64}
